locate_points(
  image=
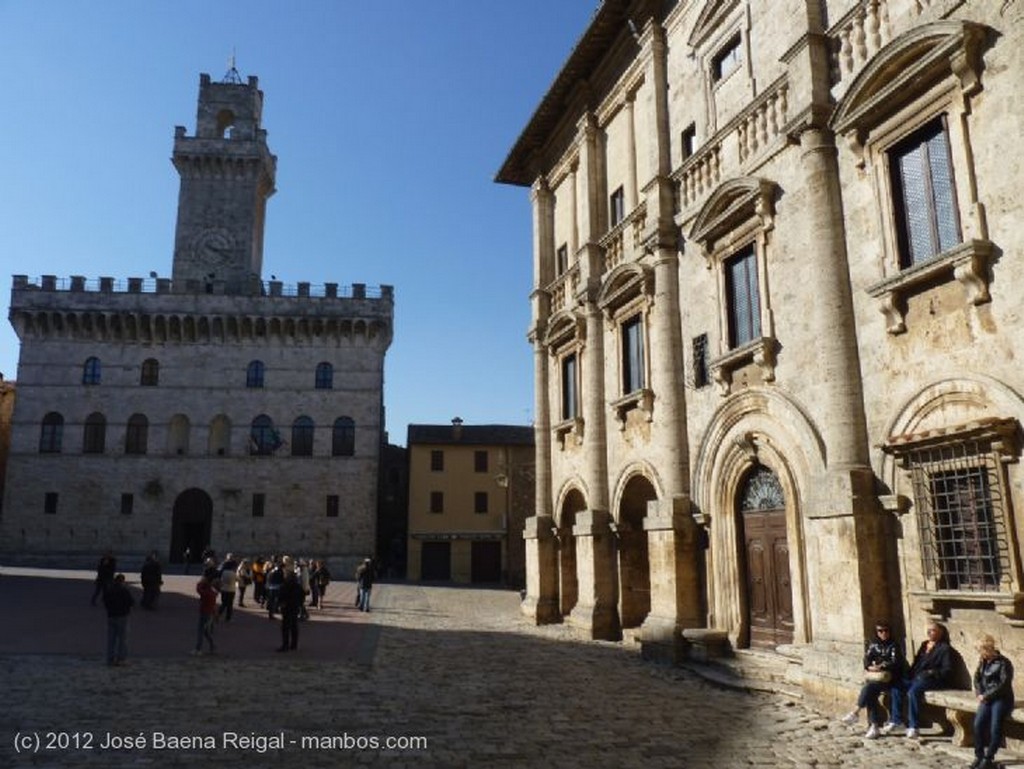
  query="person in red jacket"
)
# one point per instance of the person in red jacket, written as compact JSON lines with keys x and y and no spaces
{"x":207,"y":613}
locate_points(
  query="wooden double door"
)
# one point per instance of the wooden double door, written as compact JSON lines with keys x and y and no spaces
{"x":769,"y":587}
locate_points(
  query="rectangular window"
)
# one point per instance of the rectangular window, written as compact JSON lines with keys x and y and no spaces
{"x":480,"y":461}
{"x":700,"y":361}
{"x":742,"y":297}
{"x":127,"y":504}
{"x":562,"y":259}
{"x":437,"y":501}
{"x":480,"y":502}
{"x":570,"y":404}
{"x":961,"y":515}
{"x":50,"y":503}
{"x":728,"y":58}
{"x":618,"y":206}
{"x":632,"y":355}
{"x":259,"y":504}
{"x":924,"y":194}
{"x":688,"y":141}
{"x":437,"y":461}
{"x":332,"y":505}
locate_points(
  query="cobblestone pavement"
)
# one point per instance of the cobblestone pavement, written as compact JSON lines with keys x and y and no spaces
{"x":458,"y":669}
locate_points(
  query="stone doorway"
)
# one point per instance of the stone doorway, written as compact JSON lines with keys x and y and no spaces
{"x":634,"y":564}
{"x":191,"y":525}
{"x":762,"y":519}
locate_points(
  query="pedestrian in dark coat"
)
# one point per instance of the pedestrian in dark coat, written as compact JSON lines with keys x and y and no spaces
{"x":151,"y":578}
{"x":105,"y":570}
{"x":290,"y":599}
{"x":119,"y":602}
{"x":993,"y":685}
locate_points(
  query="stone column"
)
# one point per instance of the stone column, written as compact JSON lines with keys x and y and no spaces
{"x":596,"y":612}
{"x":632,"y":193}
{"x":844,"y":558}
{"x":541,"y":603}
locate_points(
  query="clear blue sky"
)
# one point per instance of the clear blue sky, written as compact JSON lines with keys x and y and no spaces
{"x":389,"y":119}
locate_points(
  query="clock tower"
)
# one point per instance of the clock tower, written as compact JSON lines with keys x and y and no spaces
{"x":227,"y":173}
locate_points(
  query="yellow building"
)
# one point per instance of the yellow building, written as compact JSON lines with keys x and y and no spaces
{"x":470,"y":490}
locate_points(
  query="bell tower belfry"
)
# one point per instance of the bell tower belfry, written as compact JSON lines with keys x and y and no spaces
{"x":227,"y":173}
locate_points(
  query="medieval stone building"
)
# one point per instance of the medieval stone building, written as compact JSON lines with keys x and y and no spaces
{"x":776,"y":330}
{"x":206,"y":409}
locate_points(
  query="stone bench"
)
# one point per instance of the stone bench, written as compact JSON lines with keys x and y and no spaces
{"x":960,"y":707}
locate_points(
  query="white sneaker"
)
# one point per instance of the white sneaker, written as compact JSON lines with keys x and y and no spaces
{"x":850,"y":718}
{"x":888,"y":727}
{"x":912,"y":734}
{"x":872,"y":733}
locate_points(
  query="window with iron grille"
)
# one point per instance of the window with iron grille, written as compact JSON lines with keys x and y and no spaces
{"x":437,"y":460}
{"x":480,"y":461}
{"x":962,"y":513}
{"x":480,"y":502}
{"x":700,"y":361}
{"x":744,"y":304}
{"x":924,"y":194}
{"x":437,"y":501}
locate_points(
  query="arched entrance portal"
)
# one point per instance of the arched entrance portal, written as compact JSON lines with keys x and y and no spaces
{"x":191,"y":525}
{"x":634,"y":567}
{"x":568,"y":582}
{"x":762,"y":520}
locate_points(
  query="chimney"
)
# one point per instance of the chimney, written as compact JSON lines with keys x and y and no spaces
{"x":457,"y":428}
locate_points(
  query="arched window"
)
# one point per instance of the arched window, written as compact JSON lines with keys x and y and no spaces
{"x":52,"y":433}
{"x":220,"y":435}
{"x":178,"y":430}
{"x":254,"y":374}
{"x":263,"y":438}
{"x":91,"y":372}
{"x":150,"y":373}
{"x":137,"y":435}
{"x":324,"y":376}
{"x":302,"y":437}
{"x":94,"y":438}
{"x":343,"y":443}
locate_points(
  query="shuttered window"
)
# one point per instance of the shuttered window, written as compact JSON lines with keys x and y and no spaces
{"x":570,"y":406}
{"x":744,"y":306}
{"x":924,"y":195}
{"x":632,"y":355}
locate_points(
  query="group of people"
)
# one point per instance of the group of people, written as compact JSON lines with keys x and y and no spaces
{"x":281,"y":584}
{"x":886,"y":670}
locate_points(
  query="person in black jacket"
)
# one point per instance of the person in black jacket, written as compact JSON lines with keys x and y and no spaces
{"x":993,"y":683}
{"x":152,"y":578}
{"x":931,"y":669}
{"x":290,"y":601}
{"x":883,"y":663}
{"x":119,"y":602}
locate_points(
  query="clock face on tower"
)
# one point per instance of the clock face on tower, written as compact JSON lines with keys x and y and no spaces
{"x":213,"y":248}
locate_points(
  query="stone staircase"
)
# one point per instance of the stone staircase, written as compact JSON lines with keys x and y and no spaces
{"x":778,"y":671}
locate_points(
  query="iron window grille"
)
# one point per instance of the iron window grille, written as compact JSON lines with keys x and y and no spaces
{"x":961,"y":508}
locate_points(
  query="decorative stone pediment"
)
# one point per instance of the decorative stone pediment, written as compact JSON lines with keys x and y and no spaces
{"x":730,"y":207}
{"x":564,"y":326}
{"x":710,"y":19}
{"x":906,"y":68}
{"x":623,"y":284}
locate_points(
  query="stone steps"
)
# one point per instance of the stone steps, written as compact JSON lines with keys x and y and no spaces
{"x":754,"y":670}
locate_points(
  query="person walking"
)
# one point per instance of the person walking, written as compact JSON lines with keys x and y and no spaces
{"x":289,"y":600}
{"x":883,"y":662}
{"x":151,"y":578}
{"x":364,"y":584}
{"x":275,"y":577}
{"x":228,"y":585}
{"x":258,"y":577}
{"x":207,"y":612}
{"x":105,"y":570}
{"x":931,"y":669}
{"x":244,"y":578}
{"x":993,"y":685}
{"x":119,"y":602}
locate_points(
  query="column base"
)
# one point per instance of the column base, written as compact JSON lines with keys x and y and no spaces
{"x":543,"y":611}
{"x":598,"y":623}
{"x":661,"y":640}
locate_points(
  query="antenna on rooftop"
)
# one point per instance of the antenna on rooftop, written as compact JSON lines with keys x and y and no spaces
{"x":232,"y":75}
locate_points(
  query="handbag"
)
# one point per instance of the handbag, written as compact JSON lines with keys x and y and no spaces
{"x":877,"y":676}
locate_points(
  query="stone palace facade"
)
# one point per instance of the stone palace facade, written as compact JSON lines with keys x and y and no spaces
{"x":211,"y":408}
{"x":776,"y":332}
